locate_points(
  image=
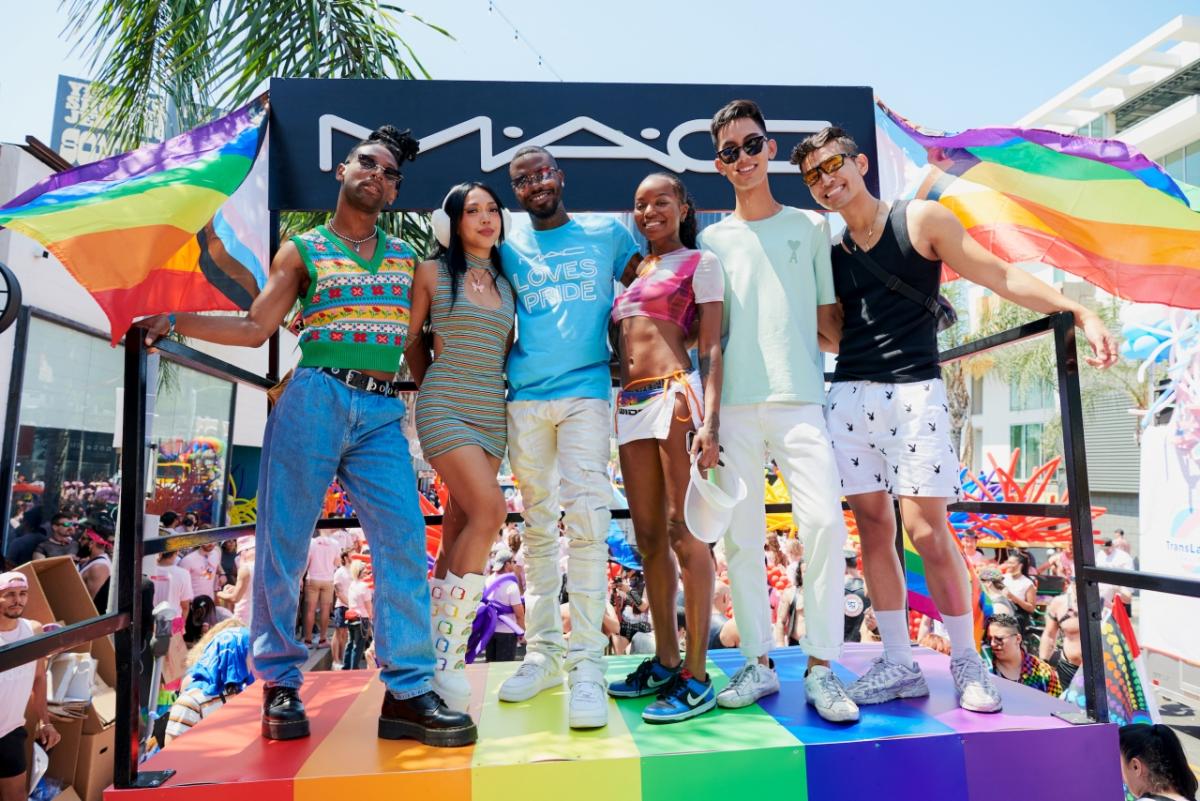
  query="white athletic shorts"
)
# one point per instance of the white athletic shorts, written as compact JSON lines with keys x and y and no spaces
{"x":893,"y":437}
{"x":646,"y":412}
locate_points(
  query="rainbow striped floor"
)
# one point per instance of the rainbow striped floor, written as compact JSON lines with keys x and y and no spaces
{"x":902,"y":751}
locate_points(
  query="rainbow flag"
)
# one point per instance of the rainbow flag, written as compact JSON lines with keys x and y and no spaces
{"x":919,"y":599}
{"x":176,"y":226}
{"x":1124,"y":674}
{"x":1096,"y":208}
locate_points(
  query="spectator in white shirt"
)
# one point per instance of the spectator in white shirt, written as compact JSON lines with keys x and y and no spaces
{"x":324,"y":552}
{"x":341,"y":602}
{"x":172,"y":584}
{"x":359,"y":598}
{"x":201,"y":564}
{"x":1111,"y":556}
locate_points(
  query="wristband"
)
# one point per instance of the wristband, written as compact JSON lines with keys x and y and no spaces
{"x":171,"y":322}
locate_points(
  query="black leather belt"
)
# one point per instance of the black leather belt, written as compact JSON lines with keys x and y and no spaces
{"x":360,"y":380}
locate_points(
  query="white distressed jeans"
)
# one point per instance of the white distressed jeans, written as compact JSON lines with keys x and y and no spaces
{"x":794,"y":435}
{"x":559,"y":453}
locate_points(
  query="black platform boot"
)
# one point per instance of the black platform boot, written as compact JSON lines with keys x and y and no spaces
{"x":283,"y":714}
{"x":425,"y":718}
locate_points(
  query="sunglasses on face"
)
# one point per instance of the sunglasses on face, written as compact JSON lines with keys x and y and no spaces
{"x":533,"y":178}
{"x":369,"y":164}
{"x":753,"y":145}
{"x":829,"y":166}
{"x":994,"y":640}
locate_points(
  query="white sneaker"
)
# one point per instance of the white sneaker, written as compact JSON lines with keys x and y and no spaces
{"x":529,"y":680}
{"x":887,"y":681}
{"x":589,"y":705}
{"x":751,"y":682}
{"x":826,"y":693}
{"x":973,"y":684}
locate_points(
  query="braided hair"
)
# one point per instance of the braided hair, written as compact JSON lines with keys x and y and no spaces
{"x":1160,"y":751}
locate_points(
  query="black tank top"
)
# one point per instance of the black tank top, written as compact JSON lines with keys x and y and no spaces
{"x":886,"y":337}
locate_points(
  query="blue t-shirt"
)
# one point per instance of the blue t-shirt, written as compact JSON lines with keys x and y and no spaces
{"x":563,"y":282}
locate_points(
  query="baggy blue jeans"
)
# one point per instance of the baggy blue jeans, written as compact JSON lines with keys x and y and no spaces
{"x":321,"y":428}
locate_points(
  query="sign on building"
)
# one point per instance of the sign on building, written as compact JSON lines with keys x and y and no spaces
{"x":606,"y":137}
{"x":79,"y":134}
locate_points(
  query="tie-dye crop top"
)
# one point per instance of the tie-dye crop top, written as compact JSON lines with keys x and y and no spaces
{"x":670,"y":287}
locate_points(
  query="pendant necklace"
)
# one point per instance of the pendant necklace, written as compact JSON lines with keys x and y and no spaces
{"x":357,"y":243}
{"x":871,"y":230}
{"x":473,"y":264}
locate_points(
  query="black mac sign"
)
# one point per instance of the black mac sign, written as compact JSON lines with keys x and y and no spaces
{"x":606,"y":137}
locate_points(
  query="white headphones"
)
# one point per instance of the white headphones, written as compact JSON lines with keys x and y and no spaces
{"x":441,"y":222}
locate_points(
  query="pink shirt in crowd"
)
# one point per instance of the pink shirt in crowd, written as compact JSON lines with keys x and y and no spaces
{"x":202,"y":567}
{"x":323,"y":553}
{"x":360,"y":598}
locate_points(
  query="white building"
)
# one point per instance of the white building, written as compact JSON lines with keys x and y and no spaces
{"x":1148,"y":97}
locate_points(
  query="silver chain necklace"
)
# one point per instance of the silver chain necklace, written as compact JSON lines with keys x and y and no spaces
{"x":356,"y":242}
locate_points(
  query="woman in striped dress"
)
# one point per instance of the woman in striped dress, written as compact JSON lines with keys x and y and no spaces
{"x":460,"y":408}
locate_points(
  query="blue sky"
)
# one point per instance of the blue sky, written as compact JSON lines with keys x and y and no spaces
{"x":944,"y":64}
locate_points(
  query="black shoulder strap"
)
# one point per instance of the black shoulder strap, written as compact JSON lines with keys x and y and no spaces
{"x":900,"y":227}
{"x":890,"y":280}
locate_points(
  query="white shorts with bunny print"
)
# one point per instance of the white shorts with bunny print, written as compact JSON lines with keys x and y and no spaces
{"x":893,"y":438}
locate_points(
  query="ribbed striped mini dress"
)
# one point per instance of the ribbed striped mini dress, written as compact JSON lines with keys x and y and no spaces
{"x":461,"y":401}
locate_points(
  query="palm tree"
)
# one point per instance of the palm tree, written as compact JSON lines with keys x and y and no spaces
{"x":206,"y":55}
{"x":1029,"y":365}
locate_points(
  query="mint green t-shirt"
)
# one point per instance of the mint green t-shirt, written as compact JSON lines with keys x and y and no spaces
{"x":777,"y":271}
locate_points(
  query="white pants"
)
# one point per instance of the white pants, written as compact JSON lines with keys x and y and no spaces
{"x":552,"y":444}
{"x":794,"y":435}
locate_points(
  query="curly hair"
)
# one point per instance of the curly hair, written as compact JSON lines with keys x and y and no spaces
{"x":812,"y":144}
{"x":400,"y":144}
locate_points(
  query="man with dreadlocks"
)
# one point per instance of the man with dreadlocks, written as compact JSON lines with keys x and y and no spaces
{"x":341,"y":415}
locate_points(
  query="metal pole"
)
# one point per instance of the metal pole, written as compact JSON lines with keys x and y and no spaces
{"x":1080,"y":515}
{"x":129,"y":571}
{"x":12,"y":423}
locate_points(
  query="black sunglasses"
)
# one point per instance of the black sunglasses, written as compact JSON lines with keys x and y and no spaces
{"x":369,"y":164}
{"x":753,"y":145}
{"x":829,"y":166}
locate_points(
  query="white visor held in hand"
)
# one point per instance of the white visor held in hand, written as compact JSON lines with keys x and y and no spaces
{"x":708,"y":509}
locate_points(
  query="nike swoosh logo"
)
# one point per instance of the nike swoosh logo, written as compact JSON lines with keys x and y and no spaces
{"x":693,"y":700}
{"x":652,"y":682}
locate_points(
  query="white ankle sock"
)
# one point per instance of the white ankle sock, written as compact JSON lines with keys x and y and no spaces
{"x":961,"y":629}
{"x":893,"y":630}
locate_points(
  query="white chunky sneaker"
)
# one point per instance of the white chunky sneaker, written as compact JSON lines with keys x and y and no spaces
{"x":752,"y":682}
{"x":826,"y":693}
{"x":530,"y":679}
{"x":973,"y":684}
{"x":887,"y":681}
{"x":589,"y":705}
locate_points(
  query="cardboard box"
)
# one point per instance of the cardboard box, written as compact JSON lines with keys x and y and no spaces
{"x":94,"y":767}
{"x":64,"y":756}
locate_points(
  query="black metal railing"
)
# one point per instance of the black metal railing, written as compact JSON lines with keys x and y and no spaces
{"x":125,"y":622}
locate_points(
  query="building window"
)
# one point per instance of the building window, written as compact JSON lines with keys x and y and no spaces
{"x":1172,"y":164}
{"x":1028,"y":438}
{"x":1094,"y":129}
{"x":67,"y":445}
{"x":1031,"y":395}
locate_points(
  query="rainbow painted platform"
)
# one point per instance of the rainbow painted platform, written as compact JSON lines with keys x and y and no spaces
{"x":902,"y":751}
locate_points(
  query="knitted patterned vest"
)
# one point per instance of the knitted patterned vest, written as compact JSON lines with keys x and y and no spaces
{"x":356,"y":311}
